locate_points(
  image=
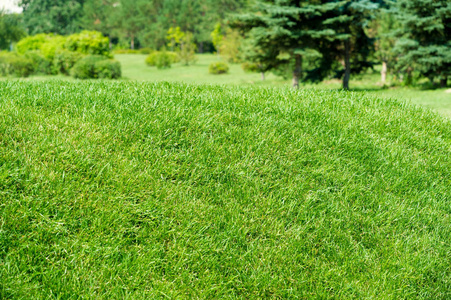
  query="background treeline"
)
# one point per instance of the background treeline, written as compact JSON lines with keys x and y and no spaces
{"x":305,"y":40}
{"x":132,"y":23}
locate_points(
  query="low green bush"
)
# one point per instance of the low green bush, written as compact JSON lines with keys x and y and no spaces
{"x":96,"y":66}
{"x":162,"y":59}
{"x":12,"y":64}
{"x":146,"y":50}
{"x":107,"y":69}
{"x":40,"y":64}
{"x":218,"y":68}
{"x":64,"y":61}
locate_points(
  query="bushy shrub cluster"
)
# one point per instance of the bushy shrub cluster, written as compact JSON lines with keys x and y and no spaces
{"x":162,"y":59}
{"x":88,"y":42}
{"x":96,"y":66}
{"x":12,"y":64}
{"x":218,"y":68}
{"x":53,"y":54}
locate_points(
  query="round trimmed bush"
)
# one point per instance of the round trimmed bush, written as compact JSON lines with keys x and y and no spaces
{"x":108,"y":69}
{"x":96,"y":66}
{"x":218,"y":68}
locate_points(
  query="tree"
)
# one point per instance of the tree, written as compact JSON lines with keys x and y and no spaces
{"x":425,"y":38}
{"x":230,"y":46}
{"x":99,"y":16}
{"x":11,"y":29}
{"x":187,"y":49}
{"x":344,"y":38}
{"x":283,"y":31}
{"x":382,"y":29}
{"x":52,"y":16}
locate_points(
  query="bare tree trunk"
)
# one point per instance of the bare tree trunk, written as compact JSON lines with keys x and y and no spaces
{"x":384,"y":72}
{"x":201,"y":47}
{"x":132,"y":42}
{"x":263,"y":76}
{"x":347,"y":65}
{"x":443,"y":82}
{"x":297,"y":71}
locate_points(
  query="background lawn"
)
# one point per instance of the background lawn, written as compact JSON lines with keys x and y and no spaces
{"x":134,"y":68}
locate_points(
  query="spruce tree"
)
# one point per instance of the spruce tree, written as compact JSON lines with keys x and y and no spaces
{"x":281,"y":34}
{"x":290,"y":32}
{"x":425,"y":38}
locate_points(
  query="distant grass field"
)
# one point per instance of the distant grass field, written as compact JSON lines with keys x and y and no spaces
{"x":128,"y":190}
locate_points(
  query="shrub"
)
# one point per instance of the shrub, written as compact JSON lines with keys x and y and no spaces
{"x":40,"y":64}
{"x":146,"y":50}
{"x":47,"y":44}
{"x":88,"y":42}
{"x":85,"y":67}
{"x":162,"y":59}
{"x":15,"y":65}
{"x":52,"y":45}
{"x":249,"y":67}
{"x":96,"y":66}
{"x":108,"y":69}
{"x":218,"y":68}
{"x":64,"y":61}
{"x":31,"y":43}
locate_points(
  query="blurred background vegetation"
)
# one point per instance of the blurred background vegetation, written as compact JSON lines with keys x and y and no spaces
{"x":407,"y":41}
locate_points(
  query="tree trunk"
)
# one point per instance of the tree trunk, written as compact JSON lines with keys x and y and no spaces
{"x":384,"y":72}
{"x":297,"y":71}
{"x":263,"y":76}
{"x":201,"y":47}
{"x":443,"y":82}
{"x":132,"y":42}
{"x":347,"y":65}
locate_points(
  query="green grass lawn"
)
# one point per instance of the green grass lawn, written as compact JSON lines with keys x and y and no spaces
{"x":134,"y":68}
{"x":141,"y":190}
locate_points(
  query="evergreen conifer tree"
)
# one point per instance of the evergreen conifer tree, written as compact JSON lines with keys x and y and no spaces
{"x":425,"y":38}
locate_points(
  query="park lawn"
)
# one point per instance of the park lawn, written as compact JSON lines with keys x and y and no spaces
{"x":143,"y":190}
{"x":134,"y":68}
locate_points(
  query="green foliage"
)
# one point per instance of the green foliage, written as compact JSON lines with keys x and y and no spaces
{"x":40,"y":64}
{"x":136,"y":190}
{"x":56,"y":16}
{"x":146,"y":50}
{"x":11,"y":29}
{"x":162,"y":59}
{"x":251,"y":67}
{"x":187,"y":50}
{"x":88,"y":42}
{"x":218,"y":68}
{"x":217,"y":36}
{"x":126,"y":51}
{"x":230,"y":46}
{"x":64,"y":61}
{"x":424,"y":46}
{"x":12,"y":64}
{"x":107,"y":69}
{"x":174,"y":37}
{"x":33,"y":42}
{"x":96,"y":66}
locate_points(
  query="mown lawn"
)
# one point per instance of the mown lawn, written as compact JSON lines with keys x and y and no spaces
{"x":134,"y":68}
{"x":112,"y":190}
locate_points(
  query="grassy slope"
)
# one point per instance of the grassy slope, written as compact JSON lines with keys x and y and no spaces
{"x":141,"y":190}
